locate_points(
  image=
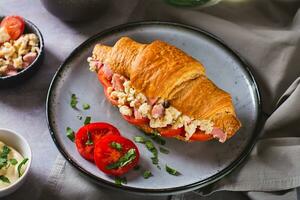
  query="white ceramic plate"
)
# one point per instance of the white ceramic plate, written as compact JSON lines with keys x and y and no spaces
{"x":199,"y":163}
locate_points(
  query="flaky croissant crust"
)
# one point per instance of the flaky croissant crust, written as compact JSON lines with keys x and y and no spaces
{"x":162,"y":70}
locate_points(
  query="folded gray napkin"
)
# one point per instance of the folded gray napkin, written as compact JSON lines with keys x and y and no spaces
{"x":266,"y":33}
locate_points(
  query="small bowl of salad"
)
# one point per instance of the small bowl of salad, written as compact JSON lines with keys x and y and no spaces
{"x":15,"y":160}
{"x":21,"y":49}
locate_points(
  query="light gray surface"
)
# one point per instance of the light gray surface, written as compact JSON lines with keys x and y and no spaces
{"x":266,"y":33}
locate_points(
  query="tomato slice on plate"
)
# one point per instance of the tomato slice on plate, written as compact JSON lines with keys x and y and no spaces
{"x":201,"y":136}
{"x":134,"y":121}
{"x":102,"y":78}
{"x":116,"y":155}
{"x":88,"y":135}
{"x":14,"y":25}
{"x":170,"y":132}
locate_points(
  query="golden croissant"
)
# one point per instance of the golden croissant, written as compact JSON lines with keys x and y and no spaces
{"x":161,"y":89}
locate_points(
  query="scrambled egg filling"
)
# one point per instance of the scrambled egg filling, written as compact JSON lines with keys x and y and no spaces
{"x":12,"y":52}
{"x":129,"y":99}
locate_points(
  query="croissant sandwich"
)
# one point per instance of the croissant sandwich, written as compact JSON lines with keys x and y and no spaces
{"x":162,"y":90}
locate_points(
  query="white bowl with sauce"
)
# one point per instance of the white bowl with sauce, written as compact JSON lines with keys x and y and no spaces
{"x":15,"y":142}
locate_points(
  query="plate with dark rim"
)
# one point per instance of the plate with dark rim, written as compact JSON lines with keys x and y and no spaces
{"x":200,"y":164}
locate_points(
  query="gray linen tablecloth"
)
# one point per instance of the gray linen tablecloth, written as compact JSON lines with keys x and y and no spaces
{"x":265,"y":32}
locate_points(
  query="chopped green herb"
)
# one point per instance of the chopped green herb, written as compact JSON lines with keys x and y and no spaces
{"x":5,"y":151}
{"x":124,"y":160}
{"x":155,"y":136}
{"x":137,"y":167}
{"x":87,"y":120}
{"x":89,"y":141}
{"x":116,"y":145}
{"x":20,"y":166}
{"x":158,"y":167}
{"x":163,"y":150}
{"x":139,"y":139}
{"x":13,"y":161}
{"x":86,"y":106}
{"x":79,"y":117}
{"x":154,"y":160}
{"x":70,"y":134}
{"x":4,"y":179}
{"x":147,"y":174}
{"x":172,"y":171}
{"x":3,"y":156}
{"x":120,"y":180}
{"x":150,"y":146}
{"x":73,"y":101}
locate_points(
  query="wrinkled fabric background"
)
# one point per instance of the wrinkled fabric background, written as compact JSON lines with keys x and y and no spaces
{"x":265,"y":32}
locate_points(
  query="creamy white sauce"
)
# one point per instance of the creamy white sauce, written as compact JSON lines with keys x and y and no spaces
{"x":11,"y":171}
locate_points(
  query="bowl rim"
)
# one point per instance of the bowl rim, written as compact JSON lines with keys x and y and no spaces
{"x":39,"y":56}
{"x":166,"y":191}
{"x":29,"y":159}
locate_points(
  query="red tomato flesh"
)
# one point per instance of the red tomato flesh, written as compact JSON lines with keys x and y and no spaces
{"x":201,"y":136}
{"x":14,"y":25}
{"x":135,"y":121}
{"x":170,"y":132}
{"x":105,"y":155}
{"x":88,"y":135}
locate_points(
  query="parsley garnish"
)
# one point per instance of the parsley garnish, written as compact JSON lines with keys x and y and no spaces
{"x":4,"y":179}
{"x":13,"y":161}
{"x":116,"y":146}
{"x":147,"y":174}
{"x":154,"y":160}
{"x":87,"y":120}
{"x":70,"y":134}
{"x":163,"y":150}
{"x":86,"y":106}
{"x":124,"y":160}
{"x":73,"y":101}
{"x":139,"y":139}
{"x":172,"y":171}
{"x":3,"y":156}
{"x":89,"y":141}
{"x":20,"y":166}
{"x":155,"y":136}
{"x":150,"y":146}
{"x":79,"y":117}
{"x":120,"y":180}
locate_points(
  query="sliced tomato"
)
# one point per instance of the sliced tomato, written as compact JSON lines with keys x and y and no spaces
{"x":88,"y":135}
{"x":135,"y":121}
{"x":170,"y":132}
{"x":14,"y":25}
{"x":201,"y":136}
{"x":108,"y":158}
{"x":102,"y":78}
